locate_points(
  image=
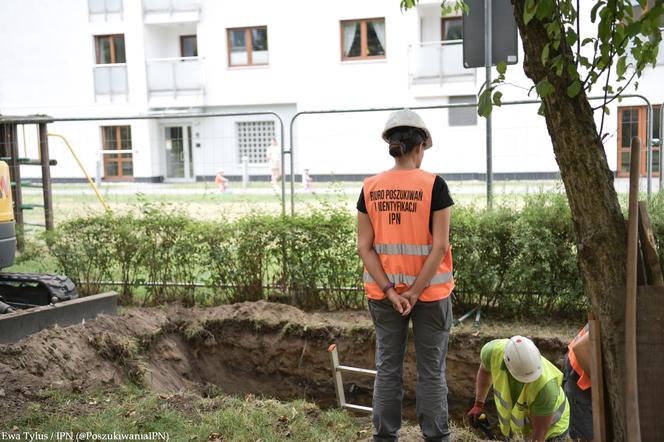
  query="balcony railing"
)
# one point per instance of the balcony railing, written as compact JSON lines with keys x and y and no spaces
{"x":105,"y":8}
{"x":438,"y":61}
{"x":165,"y":11}
{"x":111,"y":80}
{"x":175,"y":76}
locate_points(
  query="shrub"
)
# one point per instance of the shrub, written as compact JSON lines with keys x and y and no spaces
{"x":521,"y":262}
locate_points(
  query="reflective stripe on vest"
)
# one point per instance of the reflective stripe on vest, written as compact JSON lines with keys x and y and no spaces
{"x":399,"y":278}
{"x":521,"y":423}
{"x":403,"y":249}
{"x":500,"y":399}
{"x":515,"y":420}
{"x":584,"y":381}
{"x":399,"y":206}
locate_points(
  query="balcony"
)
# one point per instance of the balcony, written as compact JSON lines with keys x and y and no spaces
{"x":171,"y":11}
{"x":175,"y":81}
{"x":105,"y":10}
{"x":438,"y":62}
{"x":111,"y":81}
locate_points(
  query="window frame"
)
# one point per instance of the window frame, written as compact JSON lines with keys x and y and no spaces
{"x":443,"y":23}
{"x":117,"y":157}
{"x":111,"y":39}
{"x":249,"y":43}
{"x":363,"y":39}
{"x":182,"y":38}
{"x":642,"y":133}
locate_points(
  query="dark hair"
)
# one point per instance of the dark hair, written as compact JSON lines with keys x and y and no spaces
{"x":404,"y":139}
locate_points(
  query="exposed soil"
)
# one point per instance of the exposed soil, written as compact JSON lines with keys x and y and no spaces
{"x":261,"y":348}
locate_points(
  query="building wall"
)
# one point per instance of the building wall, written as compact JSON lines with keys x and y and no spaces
{"x":50,"y":57}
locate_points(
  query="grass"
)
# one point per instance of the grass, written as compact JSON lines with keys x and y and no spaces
{"x":202,"y":200}
{"x":185,"y":417}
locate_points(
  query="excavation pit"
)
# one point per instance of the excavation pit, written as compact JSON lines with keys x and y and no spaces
{"x":263,"y":349}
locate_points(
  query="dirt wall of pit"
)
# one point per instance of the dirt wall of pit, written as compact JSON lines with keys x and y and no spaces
{"x":250,"y":348}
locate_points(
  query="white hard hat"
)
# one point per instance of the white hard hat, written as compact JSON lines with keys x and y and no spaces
{"x":523,"y":359}
{"x":406,"y":117}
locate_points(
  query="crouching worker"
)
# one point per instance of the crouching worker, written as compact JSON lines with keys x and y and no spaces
{"x":577,"y":386}
{"x":527,"y":389}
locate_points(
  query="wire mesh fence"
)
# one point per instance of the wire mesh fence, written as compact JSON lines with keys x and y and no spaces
{"x":219,"y":165}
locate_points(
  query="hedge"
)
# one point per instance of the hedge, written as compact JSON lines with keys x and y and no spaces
{"x":519,"y":261}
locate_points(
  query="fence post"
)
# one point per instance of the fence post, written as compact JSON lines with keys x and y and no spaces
{"x":245,"y":171}
{"x":46,"y":176}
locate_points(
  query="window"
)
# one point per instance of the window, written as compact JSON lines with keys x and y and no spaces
{"x":188,"y":46}
{"x":632,"y":123}
{"x":247,"y":46}
{"x":462,"y":116}
{"x":110,"y":49}
{"x":451,"y":28}
{"x":253,"y":137}
{"x":117,"y":165}
{"x":363,"y":39}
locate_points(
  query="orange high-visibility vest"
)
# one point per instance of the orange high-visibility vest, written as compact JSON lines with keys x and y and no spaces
{"x":584,"y":378}
{"x":398,"y":203}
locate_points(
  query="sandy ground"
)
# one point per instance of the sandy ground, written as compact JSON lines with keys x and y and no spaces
{"x":260,"y":348}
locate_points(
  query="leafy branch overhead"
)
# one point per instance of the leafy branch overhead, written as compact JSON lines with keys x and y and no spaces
{"x":624,"y":40}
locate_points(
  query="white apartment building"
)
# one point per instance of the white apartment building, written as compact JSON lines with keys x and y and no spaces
{"x":169,"y":58}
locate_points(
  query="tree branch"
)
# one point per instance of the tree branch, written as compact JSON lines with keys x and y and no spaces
{"x":618,"y":94}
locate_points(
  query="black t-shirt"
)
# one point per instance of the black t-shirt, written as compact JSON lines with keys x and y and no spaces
{"x":440,"y":199}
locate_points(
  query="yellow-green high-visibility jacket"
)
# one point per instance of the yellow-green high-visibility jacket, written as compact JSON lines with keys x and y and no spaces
{"x":514,"y":416}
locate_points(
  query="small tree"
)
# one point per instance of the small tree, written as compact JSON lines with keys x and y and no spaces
{"x":562,"y":77}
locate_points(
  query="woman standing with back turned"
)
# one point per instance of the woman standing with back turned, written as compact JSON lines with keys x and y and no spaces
{"x":403,"y":240}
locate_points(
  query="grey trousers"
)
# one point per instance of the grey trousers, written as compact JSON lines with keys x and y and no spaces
{"x":431,"y":328}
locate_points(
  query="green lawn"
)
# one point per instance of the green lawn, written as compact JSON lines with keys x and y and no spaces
{"x":202,"y":200}
{"x":183,"y":416}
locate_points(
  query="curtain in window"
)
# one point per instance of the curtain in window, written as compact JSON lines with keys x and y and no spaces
{"x":379,"y":28}
{"x":351,"y":32}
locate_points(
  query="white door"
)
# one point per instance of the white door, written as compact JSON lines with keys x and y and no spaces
{"x":178,"y":149}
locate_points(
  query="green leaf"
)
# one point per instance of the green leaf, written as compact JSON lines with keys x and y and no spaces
{"x":497,"y":98}
{"x":484,"y":105}
{"x":593,"y":11}
{"x":557,"y":64}
{"x":606,"y":110}
{"x":545,"y":54}
{"x":586,"y":41}
{"x":570,"y":37}
{"x":572,"y":72}
{"x":544,"y":9}
{"x":574,"y":89}
{"x":544,"y":88}
{"x":501,"y":67}
{"x":621,"y":66}
{"x":529,"y":11}
{"x":540,"y":110}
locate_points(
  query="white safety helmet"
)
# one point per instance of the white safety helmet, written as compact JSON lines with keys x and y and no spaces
{"x":523,"y":359}
{"x":406,"y":117}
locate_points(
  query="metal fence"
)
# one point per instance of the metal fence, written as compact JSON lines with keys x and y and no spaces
{"x":174,"y":158}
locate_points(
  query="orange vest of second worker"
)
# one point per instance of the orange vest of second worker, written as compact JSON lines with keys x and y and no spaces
{"x":398,"y":203}
{"x":584,"y":378}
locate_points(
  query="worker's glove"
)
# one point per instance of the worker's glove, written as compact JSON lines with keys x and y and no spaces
{"x":475,"y":413}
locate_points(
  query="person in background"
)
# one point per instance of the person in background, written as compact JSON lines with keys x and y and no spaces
{"x":527,"y":390}
{"x":274,"y":159}
{"x":576,"y":382}
{"x":403,"y":240}
{"x":220,"y":180}
{"x":306,"y":180}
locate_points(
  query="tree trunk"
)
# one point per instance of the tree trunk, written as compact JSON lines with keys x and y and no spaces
{"x":598,"y":220}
